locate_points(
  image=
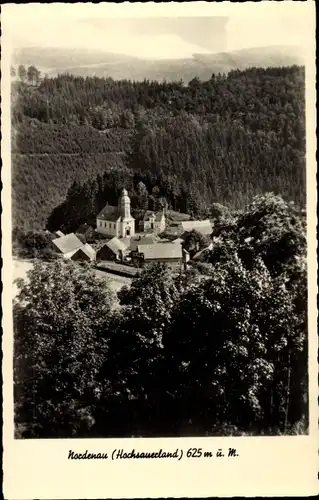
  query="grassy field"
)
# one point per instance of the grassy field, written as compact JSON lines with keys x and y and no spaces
{"x":21,"y":267}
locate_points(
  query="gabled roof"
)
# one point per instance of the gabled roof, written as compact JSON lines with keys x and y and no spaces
{"x":116,"y":245}
{"x":67,"y":243}
{"x":158,"y":215}
{"x":161,"y":251}
{"x":202,"y":226}
{"x":90,"y":252}
{"x":86,"y":250}
{"x":109,"y":213}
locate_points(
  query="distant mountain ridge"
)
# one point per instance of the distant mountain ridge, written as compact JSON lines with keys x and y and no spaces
{"x":54,"y":61}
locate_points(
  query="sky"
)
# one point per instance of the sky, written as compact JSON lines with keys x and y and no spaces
{"x":53,"y":25}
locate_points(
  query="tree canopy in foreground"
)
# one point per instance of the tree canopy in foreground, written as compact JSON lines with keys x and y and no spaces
{"x":219,"y":349}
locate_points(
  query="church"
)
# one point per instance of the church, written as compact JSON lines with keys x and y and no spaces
{"x":117,"y":221}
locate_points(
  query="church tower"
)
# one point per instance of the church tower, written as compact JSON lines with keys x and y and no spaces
{"x":127,"y":223}
{"x":125,"y":205}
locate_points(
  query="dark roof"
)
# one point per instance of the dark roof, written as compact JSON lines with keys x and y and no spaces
{"x":109,"y":213}
{"x":67,"y":243}
{"x":161,"y":251}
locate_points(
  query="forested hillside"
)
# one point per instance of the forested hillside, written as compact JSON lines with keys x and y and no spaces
{"x":222,"y":140}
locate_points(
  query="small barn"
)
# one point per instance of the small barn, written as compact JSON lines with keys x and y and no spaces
{"x":67,"y":245}
{"x":171,"y":254}
{"x":85,"y":254}
{"x":114,"y":249}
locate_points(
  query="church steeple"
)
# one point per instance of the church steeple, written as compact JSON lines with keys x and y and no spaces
{"x":124,"y":205}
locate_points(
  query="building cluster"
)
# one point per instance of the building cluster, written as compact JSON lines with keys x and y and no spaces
{"x":69,"y":246}
{"x":124,"y":245}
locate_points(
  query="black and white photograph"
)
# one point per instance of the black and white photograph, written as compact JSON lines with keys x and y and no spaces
{"x":159,"y":226}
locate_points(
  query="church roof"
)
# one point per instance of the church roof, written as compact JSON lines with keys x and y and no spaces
{"x":67,"y":243}
{"x":202,"y":226}
{"x":109,"y":213}
{"x":161,"y":251}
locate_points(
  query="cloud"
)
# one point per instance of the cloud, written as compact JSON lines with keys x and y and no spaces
{"x":171,"y":39}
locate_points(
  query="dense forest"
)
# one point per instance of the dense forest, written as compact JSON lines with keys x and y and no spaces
{"x":223,"y":140}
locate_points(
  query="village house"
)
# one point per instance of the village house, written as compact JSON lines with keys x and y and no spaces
{"x":117,"y":221}
{"x":85,"y":254}
{"x":201,"y":226}
{"x":153,"y":221}
{"x":171,"y":254}
{"x":114,"y":249}
{"x":67,"y":245}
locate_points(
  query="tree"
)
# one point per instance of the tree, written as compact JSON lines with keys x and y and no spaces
{"x":22,"y":72}
{"x":142,"y":196}
{"x":218,"y":211}
{"x":61,"y":319}
{"x":259,"y":264}
{"x":33,"y":75}
{"x":194,"y":241}
{"x":12,"y":72}
{"x":145,"y":315}
{"x":230,"y":344}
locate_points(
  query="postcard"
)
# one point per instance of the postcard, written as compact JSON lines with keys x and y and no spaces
{"x":159,"y":250}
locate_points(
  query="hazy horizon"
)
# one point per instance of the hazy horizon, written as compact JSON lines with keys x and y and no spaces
{"x":157,"y":37}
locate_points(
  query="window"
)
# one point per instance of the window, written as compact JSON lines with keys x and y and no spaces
{"x":114,"y":226}
{"x":110,"y":225}
{"x":104,"y":224}
{"x":100,"y":223}
{"x":152,"y":225}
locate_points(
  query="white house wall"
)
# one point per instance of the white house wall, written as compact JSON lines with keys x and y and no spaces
{"x":107,"y":228}
{"x":115,"y":228}
{"x":127,"y":226}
